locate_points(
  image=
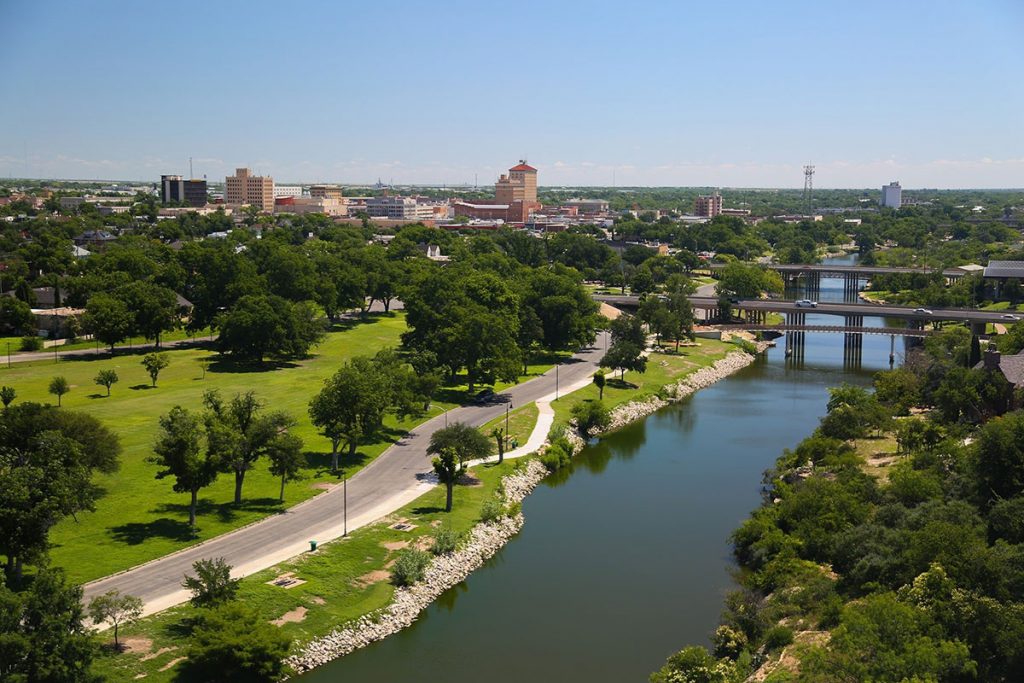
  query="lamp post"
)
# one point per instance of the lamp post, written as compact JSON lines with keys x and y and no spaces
{"x":507,"y":408}
{"x":344,"y":496}
{"x":556,"y":382}
{"x":8,"y":354}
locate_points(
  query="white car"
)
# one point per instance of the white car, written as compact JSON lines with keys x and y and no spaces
{"x":922,"y":311}
{"x":1007,"y":316}
{"x":806,"y":303}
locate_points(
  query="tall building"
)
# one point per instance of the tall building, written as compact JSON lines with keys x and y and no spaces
{"x":287,"y":191}
{"x":246,"y":188}
{"x":175,"y":189}
{"x":892,"y":195}
{"x":328,"y":191}
{"x":519,"y":185}
{"x":708,"y":205}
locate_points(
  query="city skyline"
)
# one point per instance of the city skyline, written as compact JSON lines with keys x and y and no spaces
{"x":869,"y":93}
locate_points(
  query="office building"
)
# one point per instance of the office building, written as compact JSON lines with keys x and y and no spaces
{"x":287,"y":191}
{"x":176,"y":190}
{"x":404,"y":208}
{"x":708,"y":205}
{"x":892,"y":195}
{"x":520,"y":184}
{"x":329,"y":191}
{"x":246,"y":188}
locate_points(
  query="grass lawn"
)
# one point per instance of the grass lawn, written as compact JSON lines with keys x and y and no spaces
{"x":880,"y":453}
{"x":140,"y":518}
{"x":662,"y":369}
{"x":344,"y":580}
{"x":520,"y":424}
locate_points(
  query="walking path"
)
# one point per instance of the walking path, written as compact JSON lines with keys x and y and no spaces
{"x":397,"y":477}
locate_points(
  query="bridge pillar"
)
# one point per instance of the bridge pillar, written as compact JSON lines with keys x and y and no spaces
{"x":853,"y":342}
{"x":910,"y":342}
{"x":795,"y":338}
{"x":851,"y":286}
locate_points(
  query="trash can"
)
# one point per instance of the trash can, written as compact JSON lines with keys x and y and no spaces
{"x":312,"y":546}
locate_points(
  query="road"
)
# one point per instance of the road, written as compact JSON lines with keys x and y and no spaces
{"x":395,"y":478}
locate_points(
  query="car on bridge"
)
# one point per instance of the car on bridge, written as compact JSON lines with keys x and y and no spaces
{"x":805,"y":303}
{"x":1009,"y":316}
{"x":922,"y":311}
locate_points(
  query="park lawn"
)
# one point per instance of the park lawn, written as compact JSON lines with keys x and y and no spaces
{"x":130,"y":344}
{"x":662,"y":369}
{"x":520,"y":424}
{"x":140,"y":518}
{"x":340,"y":584}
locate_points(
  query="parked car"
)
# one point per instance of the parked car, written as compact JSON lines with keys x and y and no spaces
{"x":1008,"y":316}
{"x":485,"y":396}
{"x":922,"y":311}
{"x":806,"y":303}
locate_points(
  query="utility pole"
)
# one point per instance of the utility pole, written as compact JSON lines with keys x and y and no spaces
{"x":808,"y":188}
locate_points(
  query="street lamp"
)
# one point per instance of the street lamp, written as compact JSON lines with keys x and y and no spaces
{"x":556,"y":382}
{"x":507,"y":409}
{"x":344,"y":496}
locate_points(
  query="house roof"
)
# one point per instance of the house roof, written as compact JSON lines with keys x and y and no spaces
{"x":1012,"y":367}
{"x":522,"y":167}
{"x":1005,"y":269}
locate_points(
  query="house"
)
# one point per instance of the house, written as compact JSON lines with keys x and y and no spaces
{"x":1012,"y":366}
{"x":97,"y":239}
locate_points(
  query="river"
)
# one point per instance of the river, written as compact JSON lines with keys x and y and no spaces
{"x":625,"y":559}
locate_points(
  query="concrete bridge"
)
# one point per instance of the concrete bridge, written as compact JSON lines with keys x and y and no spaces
{"x":853,"y":275}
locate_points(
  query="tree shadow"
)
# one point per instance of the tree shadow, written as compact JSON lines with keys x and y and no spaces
{"x":229,"y":365}
{"x":426,"y":510}
{"x":134,"y":533}
{"x":621,"y":384}
{"x":141,"y":387}
{"x":320,"y":462}
{"x":97,"y":396}
{"x":225,"y":512}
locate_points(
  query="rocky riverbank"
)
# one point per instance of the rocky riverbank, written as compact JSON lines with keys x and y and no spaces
{"x":444,"y":572}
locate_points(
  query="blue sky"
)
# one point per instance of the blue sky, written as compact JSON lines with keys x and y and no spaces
{"x":732,"y":93}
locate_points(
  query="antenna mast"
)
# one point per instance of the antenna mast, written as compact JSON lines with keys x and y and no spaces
{"x":808,"y":188}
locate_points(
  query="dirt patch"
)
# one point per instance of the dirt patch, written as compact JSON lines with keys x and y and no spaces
{"x":161,"y":651}
{"x":317,"y":600}
{"x":610,"y":311}
{"x":322,"y":486}
{"x":286,"y":581}
{"x":292,"y":617}
{"x":396,"y":545}
{"x":436,"y":523}
{"x":373,"y":577}
{"x":171,"y":663}
{"x":137,"y":645}
{"x":423,"y":543}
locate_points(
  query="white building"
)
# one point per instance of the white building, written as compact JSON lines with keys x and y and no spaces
{"x":287,"y":191}
{"x":404,"y":208}
{"x":892,"y":195}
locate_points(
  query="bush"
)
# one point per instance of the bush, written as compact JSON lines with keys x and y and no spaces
{"x":492,"y":509}
{"x":409,"y":567}
{"x":590,"y":416}
{"x":31,"y":343}
{"x":446,"y":541}
{"x":233,"y":643}
{"x":555,"y":457}
{"x":745,"y":345}
{"x":778,"y":637}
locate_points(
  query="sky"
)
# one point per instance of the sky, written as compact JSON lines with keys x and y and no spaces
{"x":675,"y":93}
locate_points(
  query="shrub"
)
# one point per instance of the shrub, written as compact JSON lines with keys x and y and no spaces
{"x":492,"y":509}
{"x":590,"y":416}
{"x":513,"y":509}
{"x":555,"y":457}
{"x":778,"y":637}
{"x":745,"y":345}
{"x":446,"y":541}
{"x":409,"y":567}
{"x":31,"y":343}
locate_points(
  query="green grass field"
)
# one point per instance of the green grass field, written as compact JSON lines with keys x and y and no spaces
{"x":140,"y":518}
{"x":520,"y":424}
{"x":662,"y":369}
{"x":344,"y":580}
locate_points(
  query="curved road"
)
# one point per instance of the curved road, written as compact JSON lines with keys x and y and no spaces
{"x":398,"y":476}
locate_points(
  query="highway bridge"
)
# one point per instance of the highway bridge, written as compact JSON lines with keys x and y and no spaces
{"x":810,"y":274}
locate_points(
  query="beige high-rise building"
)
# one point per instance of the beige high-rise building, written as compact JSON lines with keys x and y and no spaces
{"x":329,"y":191}
{"x":519,"y":185}
{"x":246,"y":188}
{"x":709,"y":205}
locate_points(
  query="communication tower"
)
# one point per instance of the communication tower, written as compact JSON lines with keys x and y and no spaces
{"x":808,"y":188}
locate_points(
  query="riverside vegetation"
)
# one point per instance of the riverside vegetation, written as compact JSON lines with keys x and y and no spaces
{"x":889,"y":544}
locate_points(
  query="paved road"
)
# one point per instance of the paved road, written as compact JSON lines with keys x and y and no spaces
{"x":398,"y":476}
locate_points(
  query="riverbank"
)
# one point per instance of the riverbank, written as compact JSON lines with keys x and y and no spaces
{"x":344,"y":581}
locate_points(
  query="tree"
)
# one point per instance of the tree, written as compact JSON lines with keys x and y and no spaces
{"x":590,"y":415}
{"x":7,"y":395}
{"x":180,"y":454}
{"x":499,"y":436}
{"x":239,"y":433}
{"x":695,"y":665}
{"x":212,"y":584}
{"x":285,"y":455}
{"x":15,"y":316}
{"x":234,"y":643}
{"x":600,"y":380}
{"x":115,"y":608}
{"x":259,"y":326}
{"x":154,"y":363}
{"x":106,"y":378}
{"x":467,"y":443}
{"x":746,"y":281}
{"x":999,"y":457}
{"x":153,"y":308}
{"x":448,"y":467}
{"x":58,"y":387}
{"x":108,"y":319}
{"x":627,"y":348}
{"x":42,"y":637}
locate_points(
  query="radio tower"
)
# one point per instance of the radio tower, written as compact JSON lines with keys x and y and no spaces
{"x":808,"y":188}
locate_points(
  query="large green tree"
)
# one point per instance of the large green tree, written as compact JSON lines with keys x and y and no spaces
{"x":259,"y":326}
{"x":180,"y":454}
{"x":235,"y":643}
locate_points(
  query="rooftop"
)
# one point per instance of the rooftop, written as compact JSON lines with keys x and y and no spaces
{"x":1005,"y":269}
{"x":523,"y":166}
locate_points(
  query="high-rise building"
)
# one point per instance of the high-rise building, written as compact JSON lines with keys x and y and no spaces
{"x":246,"y":188}
{"x":708,"y":205}
{"x":519,"y":185}
{"x":892,"y":195}
{"x":175,"y":189}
